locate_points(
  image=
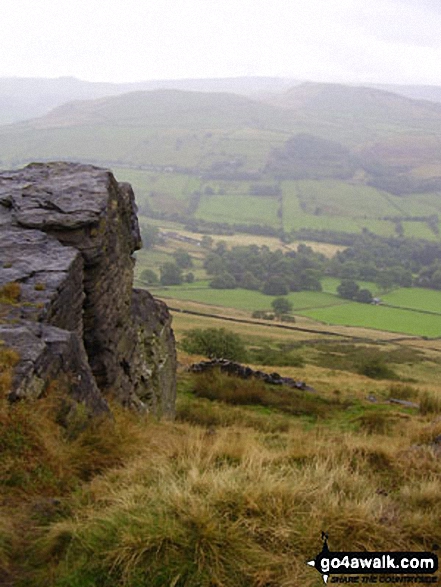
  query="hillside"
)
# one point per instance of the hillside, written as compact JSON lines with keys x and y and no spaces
{"x":370,"y":158}
{"x":26,"y":98}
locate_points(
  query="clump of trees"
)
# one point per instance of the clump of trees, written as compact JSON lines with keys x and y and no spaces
{"x":149,"y":277}
{"x":150,"y":236}
{"x":350,"y":290}
{"x":258,"y":268}
{"x":281,"y":306}
{"x":170,"y":274}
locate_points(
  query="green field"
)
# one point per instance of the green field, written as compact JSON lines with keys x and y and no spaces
{"x":330,"y":205}
{"x":239,"y":209}
{"x":419,"y":230}
{"x":175,"y":146}
{"x":330,"y":284}
{"x":379,"y":317}
{"x":243,"y":299}
{"x":328,"y":308}
{"x":416,"y":298}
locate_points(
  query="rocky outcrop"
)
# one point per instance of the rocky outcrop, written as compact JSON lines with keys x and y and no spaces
{"x":244,"y":372}
{"x":67,"y":236}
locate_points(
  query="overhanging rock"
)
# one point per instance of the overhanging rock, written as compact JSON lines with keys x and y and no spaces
{"x":67,"y":235}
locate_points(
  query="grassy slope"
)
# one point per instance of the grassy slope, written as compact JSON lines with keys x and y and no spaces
{"x":194,"y":130}
{"x":228,"y":494}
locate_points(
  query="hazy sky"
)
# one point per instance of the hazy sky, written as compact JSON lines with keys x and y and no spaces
{"x":396,"y":41}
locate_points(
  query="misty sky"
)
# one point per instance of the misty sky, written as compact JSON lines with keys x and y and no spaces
{"x":382,"y":41}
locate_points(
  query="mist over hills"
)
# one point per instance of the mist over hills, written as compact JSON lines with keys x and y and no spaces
{"x":198,"y":130}
{"x":305,"y":156}
{"x":25,"y":98}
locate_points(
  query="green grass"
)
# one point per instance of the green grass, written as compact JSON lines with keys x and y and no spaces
{"x":239,"y":209}
{"x":416,"y":298}
{"x":338,"y":198}
{"x":419,"y":204}
{"x":380,"y":227}
{"x":330,"y":284}
{"x":243,"y":299}
{"x":379,"y":317}
{"x":419,"y":230}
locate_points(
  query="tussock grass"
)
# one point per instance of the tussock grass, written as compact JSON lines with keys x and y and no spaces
{"x":215,"y":385}
{"x":238,"y":507}
{"x":10,"y":293}
{"x":8,"y":359}
{"x":6,"y":539}
{"x":230,"y":494}
{"x":39,"y":455}
{"x":203,"y":412}
{"x":430,"y":402}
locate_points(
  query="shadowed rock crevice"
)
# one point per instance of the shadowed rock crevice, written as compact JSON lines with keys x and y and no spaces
{"x":67,"y":236}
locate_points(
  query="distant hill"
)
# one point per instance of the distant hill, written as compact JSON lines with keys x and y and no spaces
{"x":25,"y":98}
{"x":298,"y":157}
{"x":163,"y":108}
{"x":358,"y":106}
{"x":431,"y":93}
{"x":383,"y":131}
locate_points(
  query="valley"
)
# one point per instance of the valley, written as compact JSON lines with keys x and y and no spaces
{"x":322,"y":196}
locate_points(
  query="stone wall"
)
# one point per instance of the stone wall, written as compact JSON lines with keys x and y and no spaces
{"x":67,"y":235}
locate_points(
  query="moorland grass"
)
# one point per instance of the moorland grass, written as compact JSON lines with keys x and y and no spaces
{"x":228,"y":495}
{"x":232,"y":506}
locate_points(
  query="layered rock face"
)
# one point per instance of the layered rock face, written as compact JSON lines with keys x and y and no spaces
{"x":67,"y":235}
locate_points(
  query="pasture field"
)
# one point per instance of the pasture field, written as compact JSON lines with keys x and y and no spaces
{"x":416,"y":298}
{"x":323,"y":307}
{"x":418,"y":204}
{"x":294,"y":221}
{"x":418,"y":230}
{"x":380,"y":227}
{"x":243,"y":299}
{"x":243,"y":209}
{"x":179,"y":185}
{"x":338,"y":198}
{"x":330,"y":284}
{"x":379,"y":317}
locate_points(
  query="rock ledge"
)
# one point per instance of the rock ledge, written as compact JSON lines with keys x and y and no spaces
{"x":67,"y":235}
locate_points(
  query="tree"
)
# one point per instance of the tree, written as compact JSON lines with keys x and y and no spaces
{"x":171,"y":274}
{"x":214,"y":264}
{"x":223,"y":281}
{"x":214,"y":343}
{"x":275,"y":287}
{"x":281,"y":306}
{"x":385,"y":281}
{"x":206,"y":241}
{"x":183,"y":259}
{"x":348,"y":289}
{"x":189,"y":278}
{"x":150,"y":236}
{"x":148,"y":276}
{"x":248,"y":281}
{"x":364,"y":296}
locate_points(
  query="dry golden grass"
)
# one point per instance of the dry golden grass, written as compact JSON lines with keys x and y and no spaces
{"x":237,"y":507}
{"x":8,"y":359}
{"x":227,"y":495}
{"x":273,"y":243}
{"x":10,"y":293}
